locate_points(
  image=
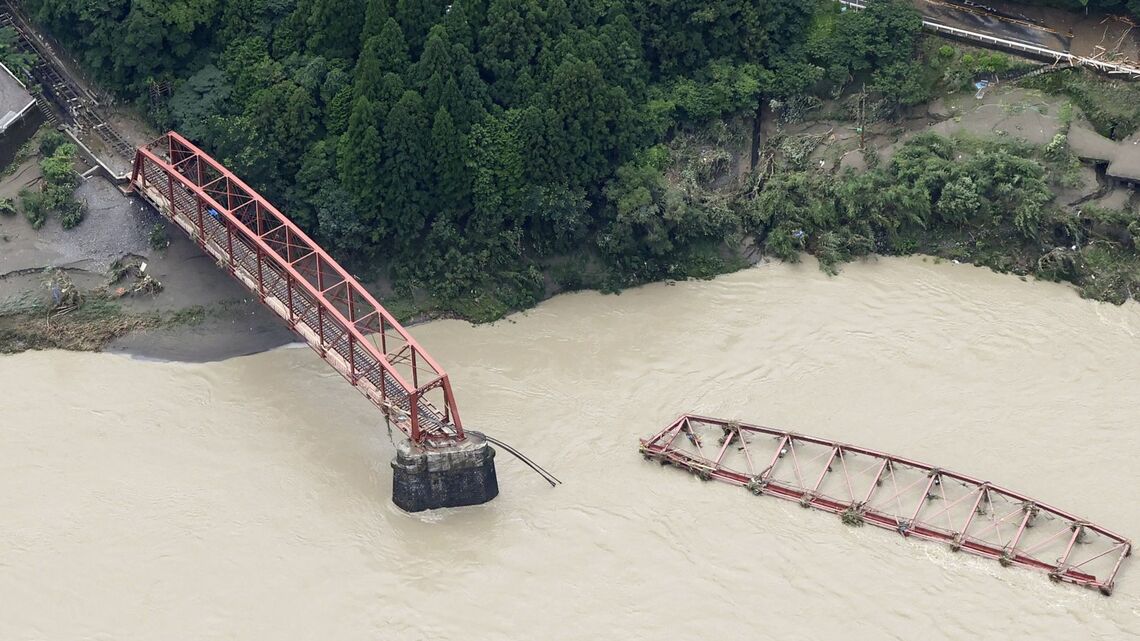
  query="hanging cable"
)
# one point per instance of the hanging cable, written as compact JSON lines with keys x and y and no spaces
{"x":546,"y":476}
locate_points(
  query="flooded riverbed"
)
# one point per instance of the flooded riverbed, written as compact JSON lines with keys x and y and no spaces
{"x":249,"y":498}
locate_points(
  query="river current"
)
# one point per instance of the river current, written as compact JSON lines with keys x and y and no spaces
{"x":249,"y":498}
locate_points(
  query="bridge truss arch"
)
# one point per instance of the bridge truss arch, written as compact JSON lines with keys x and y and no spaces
{"x":300,"y":282}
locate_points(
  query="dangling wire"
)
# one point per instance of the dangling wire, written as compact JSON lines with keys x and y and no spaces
{"x":546,"y":476}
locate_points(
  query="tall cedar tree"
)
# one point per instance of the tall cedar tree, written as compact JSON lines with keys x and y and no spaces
{"x":509,"y":45}
{"x":416,"y":17}
{"x":376,"y":14}
{"x":334,"y":27}
{"x":451,"y":195}
{"x":407,"y":172}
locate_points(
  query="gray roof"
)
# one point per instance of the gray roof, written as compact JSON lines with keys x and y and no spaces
{"x":14,"y":98}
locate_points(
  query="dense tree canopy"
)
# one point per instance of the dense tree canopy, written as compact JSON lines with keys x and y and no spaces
{"x":462,"y":144}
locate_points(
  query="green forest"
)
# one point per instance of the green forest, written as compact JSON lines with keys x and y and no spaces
{"x":470,"y":150}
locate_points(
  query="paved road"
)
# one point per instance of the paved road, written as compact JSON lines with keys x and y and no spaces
{"x":975,"y":20}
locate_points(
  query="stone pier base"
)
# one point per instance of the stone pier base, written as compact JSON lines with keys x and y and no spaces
{"x":425,"y":478}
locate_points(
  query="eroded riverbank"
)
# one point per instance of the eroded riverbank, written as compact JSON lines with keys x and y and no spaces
{"x":201,"y":314}
{"x":250,"y":497}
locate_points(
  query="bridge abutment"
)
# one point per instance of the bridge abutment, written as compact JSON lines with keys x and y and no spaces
{"x":426,"y":477}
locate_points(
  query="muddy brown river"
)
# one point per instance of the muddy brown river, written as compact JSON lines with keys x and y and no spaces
{"x":249,"y":498}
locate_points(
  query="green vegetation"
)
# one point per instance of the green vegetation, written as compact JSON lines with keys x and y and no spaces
{"x":49,"y":141}
{"x":956,"y":70}
{"x":20,"y":63}
{"x":158,"y":238}
{"x":473,"y":151}
{"x":57,"y":194}
{"x":1112,"y":106}
{"x":465,"y":148}
{"x":988,"y":202}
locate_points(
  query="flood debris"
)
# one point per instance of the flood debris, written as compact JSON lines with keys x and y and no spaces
{"x":128,"y":277}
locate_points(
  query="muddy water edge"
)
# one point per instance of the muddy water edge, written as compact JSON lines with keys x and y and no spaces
{"x":248,"y":498}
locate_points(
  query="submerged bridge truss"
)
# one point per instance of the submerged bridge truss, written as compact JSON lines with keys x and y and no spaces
{"x":911,"y":498}
{"x":301,"y":283}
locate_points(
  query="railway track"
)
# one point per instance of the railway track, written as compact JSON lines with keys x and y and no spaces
{"x":78,"y":107}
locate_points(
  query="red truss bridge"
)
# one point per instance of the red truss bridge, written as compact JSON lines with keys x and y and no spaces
{"x":911,"y":498}
{"x":302,"y":284}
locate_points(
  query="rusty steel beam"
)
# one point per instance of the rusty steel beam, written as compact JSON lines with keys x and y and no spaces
{"x":300,"y":282}
{"x":867,"y":486}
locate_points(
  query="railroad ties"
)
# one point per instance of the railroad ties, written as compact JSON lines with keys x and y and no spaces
{"x":80,"y":107}
{"x":914,"y":499}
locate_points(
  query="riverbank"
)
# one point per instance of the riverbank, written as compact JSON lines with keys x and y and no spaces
{"x":199,"y":313}
{"x":135,"y":293}
{"x":203,"y":487}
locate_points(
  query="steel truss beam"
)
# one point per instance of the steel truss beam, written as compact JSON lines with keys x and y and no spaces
{"x":301,"y":283}
{"x":911,"y":498}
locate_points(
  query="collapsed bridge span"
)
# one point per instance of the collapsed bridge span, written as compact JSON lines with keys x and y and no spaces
{"x":440,"y":465}
{"x":864,"y":486}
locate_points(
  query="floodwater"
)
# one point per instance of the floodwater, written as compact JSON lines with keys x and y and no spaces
{"x":249,"y":498}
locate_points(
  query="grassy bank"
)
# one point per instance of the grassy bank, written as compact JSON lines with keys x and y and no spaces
{"x":63,"y":315}
{"x":87,"y":328}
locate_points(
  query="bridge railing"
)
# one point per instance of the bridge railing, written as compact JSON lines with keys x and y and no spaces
{"x":300,"y":282}
{"x":1027,"y":48}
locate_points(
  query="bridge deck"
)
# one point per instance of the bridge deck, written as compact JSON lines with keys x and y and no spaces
{"x":304,"y":286}
{"x":1043,"y":50}
{"x":911,"y":498}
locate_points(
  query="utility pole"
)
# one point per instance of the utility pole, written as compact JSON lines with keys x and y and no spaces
{"x":861,"y":118}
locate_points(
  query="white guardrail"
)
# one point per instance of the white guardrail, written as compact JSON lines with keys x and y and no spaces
{"x":1110,"y":68}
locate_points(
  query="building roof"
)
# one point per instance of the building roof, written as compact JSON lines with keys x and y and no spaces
{"x":14,"y":98}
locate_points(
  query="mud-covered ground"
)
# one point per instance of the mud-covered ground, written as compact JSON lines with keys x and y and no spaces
{"x":1003,"y":111}
{"x":216,"y":318}
{"x":224,"y":322}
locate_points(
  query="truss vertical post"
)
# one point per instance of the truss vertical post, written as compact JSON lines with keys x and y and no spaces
{"x":1091,"y":561}
{"x":973,"y":510}
{"x":319,"y":316}
{"x":1021,"y":529}
{"x":922,"y":499}
{"x":874,"y":484}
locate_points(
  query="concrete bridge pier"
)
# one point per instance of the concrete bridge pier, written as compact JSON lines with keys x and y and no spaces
{"x":426,"y":477}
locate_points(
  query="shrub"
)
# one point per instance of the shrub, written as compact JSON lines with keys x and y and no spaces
{"x":71,"y":213}
{"x":57,"y":168}
{"x":57,"y":196}
{"x":34,"y":209}
{"x":51,"y":141}
{"x":158,"y":238}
